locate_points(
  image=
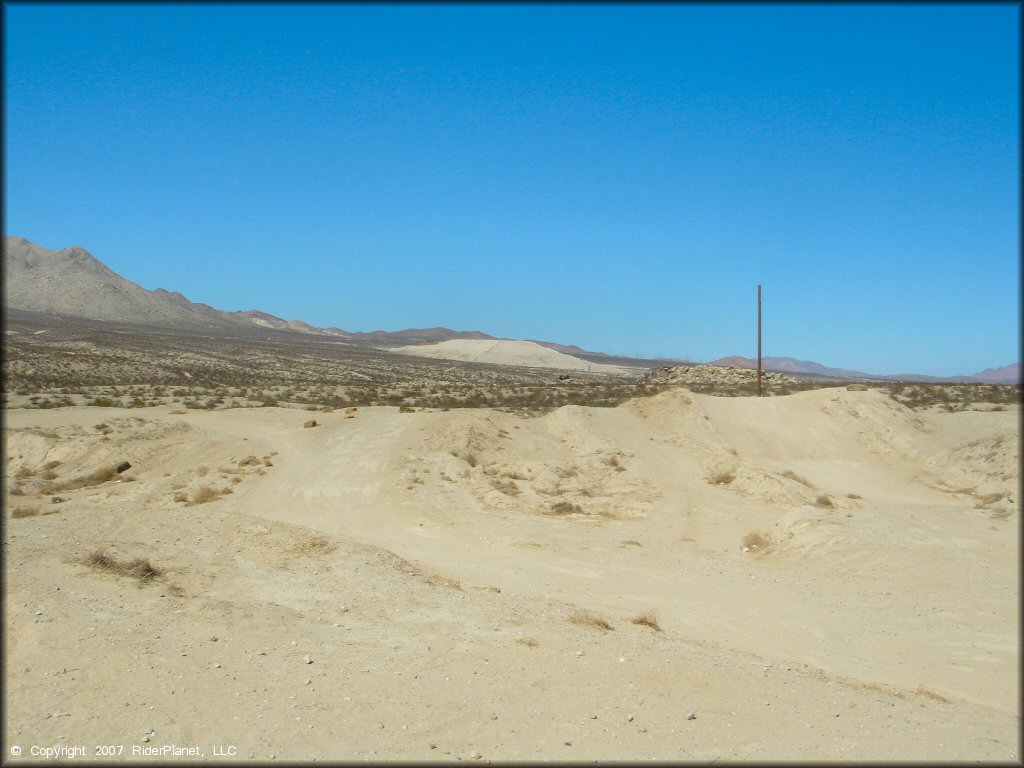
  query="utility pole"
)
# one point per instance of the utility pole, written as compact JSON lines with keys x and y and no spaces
{"x":759,"y":340}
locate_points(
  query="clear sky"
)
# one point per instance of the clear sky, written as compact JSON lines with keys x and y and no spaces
{"x":617,"y":177}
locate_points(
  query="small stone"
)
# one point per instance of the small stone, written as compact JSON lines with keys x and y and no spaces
{"x":144,"y":739}
{"x":476,"y":755}
{"x":629,"y":718}
{"x":643,"y":730}
{"x":307,"y":659}
{"x":432,"y":745}
{"x":47,"y":716}
{"x":692,"y":716}
{"x":63,"y":671}
{"x":568,"y":743}
{"x":381,"y":726}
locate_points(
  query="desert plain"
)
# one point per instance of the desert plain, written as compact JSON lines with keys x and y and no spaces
{"x":630,"y":572}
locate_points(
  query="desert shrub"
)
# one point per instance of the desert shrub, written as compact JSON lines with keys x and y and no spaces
{"x":105,"y":402}
{"x":83,"y":481}
{"x":204,"y":494}
{"x":754,"y":541}
{"x":508,"y":487}
{"x":588,"y":619}
{"x":824,"y":502}
{"x":138,"y":568}
{"x":723,"y":477}
{"x":794,"y":476}
{"x":564,"y":508}
{"x":647,"y":619}
{"x":19,"y":512}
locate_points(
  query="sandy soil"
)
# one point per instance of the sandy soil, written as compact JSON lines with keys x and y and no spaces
{"x":527,"y":354}
{"x":465,"y":584}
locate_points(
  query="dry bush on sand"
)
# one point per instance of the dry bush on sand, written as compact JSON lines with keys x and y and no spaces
{"x":722,"y":478}
{"x":508,"y":487}
{"x":529,"y":642}
{"x":564,"y":508}
{"x":794,"y":476}
{"x":25,"y":512}
{"x":138,"y":568}
{"x":84,"y":481}
{"x":756,"y":541}
{"x":588,"y":619}
{"x":824,"y":502}
{"x":647,"y":619}
{"x":204,"y":494}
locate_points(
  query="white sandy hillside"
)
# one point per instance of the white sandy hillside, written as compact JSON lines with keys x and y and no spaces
{"x":504,"y":352}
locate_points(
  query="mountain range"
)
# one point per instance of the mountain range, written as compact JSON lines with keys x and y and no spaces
{"x":72,"y":282}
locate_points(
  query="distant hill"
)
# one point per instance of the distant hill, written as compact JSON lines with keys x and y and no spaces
{"x":73,"y":283}
{"x":1008,"y":374}
{"x":791,"y":365}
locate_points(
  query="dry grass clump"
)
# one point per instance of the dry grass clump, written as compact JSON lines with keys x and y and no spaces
{"x":138,"y":568}
{"x":647,"y":619}
{"x":987,"y":499}
{"x":824,"y":502}
{"x":588,"y":619}
{"x":794,"y":476}
{"x":631,"y":543}
{"x":19,"y":512}
{"x":508,"y":487}
{"x":204,"y":494}
{"x":723,"y":477}
{"x":529,"y":642}
{"x":315,"y":545}
{"x":928,"y":693}
{"x":755,"y":540}
{"x":83,"y":481}
{"x":564,"y":508}
{"x":853,"y":496}
{"x":248,"y":461}
{"x":615,"y":463}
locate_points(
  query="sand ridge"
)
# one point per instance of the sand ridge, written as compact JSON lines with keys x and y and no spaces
{"x":818,"y":590}
{"x":527,"y":354}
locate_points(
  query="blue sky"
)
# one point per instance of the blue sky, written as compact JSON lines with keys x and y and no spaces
{"x":618,"y":177}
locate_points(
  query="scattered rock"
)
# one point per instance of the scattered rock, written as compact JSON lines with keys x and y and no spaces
{"x":310,"y":423}
{"x":712,"y":374}
{"x":692,"y":716}
{"x":124,"y":466}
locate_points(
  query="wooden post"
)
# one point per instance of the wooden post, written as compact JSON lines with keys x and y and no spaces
{"x":759,"y":340}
